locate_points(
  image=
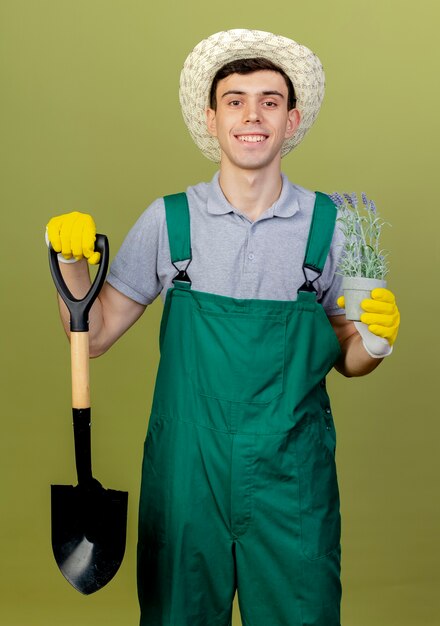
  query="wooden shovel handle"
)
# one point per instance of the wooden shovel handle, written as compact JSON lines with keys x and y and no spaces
{"x":79,"y":353}
{"x":79,"y":321}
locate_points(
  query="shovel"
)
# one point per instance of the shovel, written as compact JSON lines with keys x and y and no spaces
{"x":89,"y":523}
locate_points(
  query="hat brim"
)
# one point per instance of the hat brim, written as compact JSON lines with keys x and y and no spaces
{"x":300,"y":64}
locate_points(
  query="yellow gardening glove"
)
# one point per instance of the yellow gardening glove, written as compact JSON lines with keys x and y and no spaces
{"x":382,"y":315}
{"x":381,"y":318}
{"x":73,"y":235}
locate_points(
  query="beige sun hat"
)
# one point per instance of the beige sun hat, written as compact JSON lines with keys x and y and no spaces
{"x":300,"y":64}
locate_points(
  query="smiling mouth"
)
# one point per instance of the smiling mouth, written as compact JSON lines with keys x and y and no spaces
{"x":251,"y":138}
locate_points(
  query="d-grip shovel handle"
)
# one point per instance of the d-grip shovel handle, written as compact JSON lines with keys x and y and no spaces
{"x":79,"y":308}
{"x":79,"y":350}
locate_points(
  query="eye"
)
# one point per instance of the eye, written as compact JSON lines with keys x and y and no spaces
{"x":270,"y":104}
{"x":234,"y":103}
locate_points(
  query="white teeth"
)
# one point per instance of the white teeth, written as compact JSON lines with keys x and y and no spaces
{"x":251,"y":138}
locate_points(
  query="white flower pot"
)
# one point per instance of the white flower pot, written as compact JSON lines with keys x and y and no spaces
{"x":356,"y":289}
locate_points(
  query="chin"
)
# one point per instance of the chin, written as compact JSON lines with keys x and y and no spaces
{"x":256,"y":164}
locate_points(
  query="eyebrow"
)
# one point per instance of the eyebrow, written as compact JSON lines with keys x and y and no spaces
{"x":243,"y":93}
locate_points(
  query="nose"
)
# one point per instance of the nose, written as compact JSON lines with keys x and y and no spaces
{"x":251,"y":113}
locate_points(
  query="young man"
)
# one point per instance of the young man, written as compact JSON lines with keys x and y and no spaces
{"x":239,"y":488}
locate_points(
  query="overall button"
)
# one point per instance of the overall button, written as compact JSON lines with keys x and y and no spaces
{"x":328,"y":412}
{"x":251,"y":256}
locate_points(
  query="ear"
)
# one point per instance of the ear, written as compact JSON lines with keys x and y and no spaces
{"x":211,"y":122}
{"x":293,"y":120}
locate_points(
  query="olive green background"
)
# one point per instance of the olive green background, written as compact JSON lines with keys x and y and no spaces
{"x":90,"y":121}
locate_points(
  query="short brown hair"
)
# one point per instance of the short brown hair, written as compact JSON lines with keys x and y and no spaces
{"x":248,"y":66}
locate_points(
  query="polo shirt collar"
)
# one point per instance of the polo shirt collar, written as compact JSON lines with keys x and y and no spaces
{"x":286,"y":205}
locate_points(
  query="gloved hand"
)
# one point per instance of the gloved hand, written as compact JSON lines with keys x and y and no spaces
{"x":73,"y":235}
{"x":379,"y":324}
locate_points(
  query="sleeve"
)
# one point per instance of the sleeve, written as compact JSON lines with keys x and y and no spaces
{"x":134,"y":270}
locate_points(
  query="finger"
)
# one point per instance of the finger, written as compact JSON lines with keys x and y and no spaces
{"x":376,"y":318}
{"x":384,"y":295}
{"x":378,"y":306}
{"x":381,"y":331}
{"x":77,"y":239}
{"x":341,"y":302}
{"x":53,"y":232}
{"x":66,"y":234}
{"x":89,"y":236}
{"x":94,"y":258}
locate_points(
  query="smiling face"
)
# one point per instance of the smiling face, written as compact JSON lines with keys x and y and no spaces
{"x":252,"y":119}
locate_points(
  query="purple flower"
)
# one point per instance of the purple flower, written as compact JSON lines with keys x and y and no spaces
{"x":364,"y":199}
{"x":373,"y":207}
{"x":351,"y":199}
{"x":337,"y":198}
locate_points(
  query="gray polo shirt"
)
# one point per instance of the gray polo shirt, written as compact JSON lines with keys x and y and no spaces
{"x":231,"y":255}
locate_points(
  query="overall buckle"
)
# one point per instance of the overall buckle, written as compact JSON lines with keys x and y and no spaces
{"x":182,"y":275}
{"x":308,"y":285}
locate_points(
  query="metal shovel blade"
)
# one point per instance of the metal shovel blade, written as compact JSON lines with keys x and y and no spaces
{"x":88,"y":533}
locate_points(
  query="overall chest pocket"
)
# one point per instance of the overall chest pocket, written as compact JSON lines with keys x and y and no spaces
{"x":239,"y":357}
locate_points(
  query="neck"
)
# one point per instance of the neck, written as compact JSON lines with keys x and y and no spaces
{"x":251,"y":191}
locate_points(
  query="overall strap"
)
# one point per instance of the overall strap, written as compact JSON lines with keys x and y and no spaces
{"x":319,"y":241}
{"x":179,"y":233}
